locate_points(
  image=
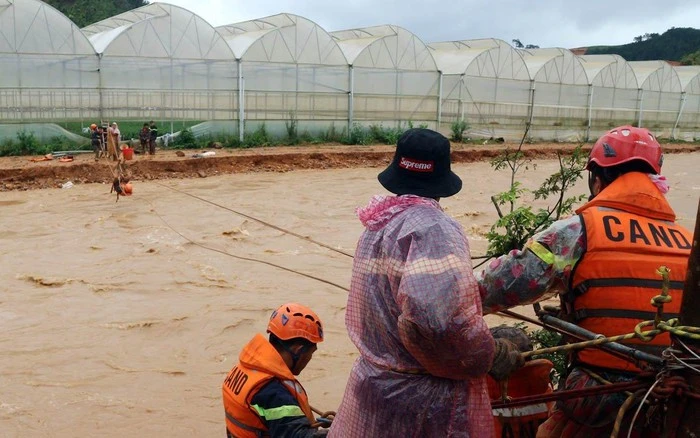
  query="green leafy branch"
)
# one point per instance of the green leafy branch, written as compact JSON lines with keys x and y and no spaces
{"x":513,"y":229}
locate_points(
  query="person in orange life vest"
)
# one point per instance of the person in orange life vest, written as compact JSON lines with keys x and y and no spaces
{"x":261,"y":394}
{"x":602,"y":262}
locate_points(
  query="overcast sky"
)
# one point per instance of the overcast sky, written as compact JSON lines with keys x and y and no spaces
{"x":546,"y":23}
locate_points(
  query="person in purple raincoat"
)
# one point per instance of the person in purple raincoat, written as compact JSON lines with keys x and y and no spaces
{"x":414,"y":310}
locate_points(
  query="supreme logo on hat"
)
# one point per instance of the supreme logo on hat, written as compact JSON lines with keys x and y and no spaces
{"x":414,"y":165}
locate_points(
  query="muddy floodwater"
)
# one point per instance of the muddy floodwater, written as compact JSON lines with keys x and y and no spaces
{"x":121,"y":319}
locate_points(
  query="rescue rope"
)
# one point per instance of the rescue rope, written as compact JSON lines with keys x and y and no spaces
{"x":660,"y":326}
{"x":664,"y":385}
{"x":247,"y":216}
{"x":324,"y":419}
{"x":623,"y":410}
{"x":250,"y":259}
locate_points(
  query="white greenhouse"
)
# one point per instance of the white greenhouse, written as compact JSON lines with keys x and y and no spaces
{"x":162,"y":62}
{"x":688,"y":120}
{"x":659,"y":95}
{"x":486,"y":83}
{"x":49,"y":68}
{"x":289,"y":68}
{"x":560,"y":93}
{"x":393,"y":77}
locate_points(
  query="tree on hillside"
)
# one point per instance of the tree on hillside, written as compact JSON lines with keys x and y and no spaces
{"x":86,"y":12}
{"x":520,"y":45}
{"x":691,"y":58}
{"x":645,"y":37}
{"x":672,"y":45}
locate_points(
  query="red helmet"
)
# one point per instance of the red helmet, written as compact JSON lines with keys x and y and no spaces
{"x":293,"y":320}
{"x":624,"y":144}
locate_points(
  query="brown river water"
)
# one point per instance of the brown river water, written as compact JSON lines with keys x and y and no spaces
{"x":114,"y":323}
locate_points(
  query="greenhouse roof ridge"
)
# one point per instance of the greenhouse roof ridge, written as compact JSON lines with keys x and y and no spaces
{"x":609,"y":71}
{"x":46,"y":30}
{"x":133,"y":16}
{"x":656,"y":76}
{"x":487,"y":57}
{"x":282,"y":38}
{"x":385,"y":46}
{"x":554,"y":65}
{"x":182,"y":35}
{"x":689,"y":75}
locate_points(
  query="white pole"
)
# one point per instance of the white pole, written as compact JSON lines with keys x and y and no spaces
{"x":461,"y":104}
{"x":532,"y":103}
{"x":439,"y":111}
{"x":641,"y":106}
{"x":241,"y":102}
{"x":680,"y":112}
{"x":351,"y":98}
{"x":590,"y":111}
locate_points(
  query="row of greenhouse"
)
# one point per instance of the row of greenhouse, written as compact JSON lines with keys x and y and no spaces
{"x":165,"y":63}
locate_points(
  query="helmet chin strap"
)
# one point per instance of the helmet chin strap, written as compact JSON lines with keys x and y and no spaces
{"x":591,"y":181}
{"x":295,"y":356}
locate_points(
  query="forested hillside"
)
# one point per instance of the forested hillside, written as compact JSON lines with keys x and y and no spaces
{"x":85,"y":12}
{"x":676,"y":44}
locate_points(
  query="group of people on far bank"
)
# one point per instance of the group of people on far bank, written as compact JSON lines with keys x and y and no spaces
{"x":106,"y":140}
{"x":416,"y":308}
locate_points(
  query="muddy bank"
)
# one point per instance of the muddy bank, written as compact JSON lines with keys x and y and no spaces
{"x":20,"y":173}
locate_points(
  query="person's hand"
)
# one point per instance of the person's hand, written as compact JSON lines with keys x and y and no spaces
{"x":506,"y":360}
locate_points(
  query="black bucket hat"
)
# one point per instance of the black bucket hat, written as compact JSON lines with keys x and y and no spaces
{"x":421,"y":166}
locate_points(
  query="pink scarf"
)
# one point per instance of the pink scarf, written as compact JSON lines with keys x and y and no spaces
{"x":382,"y":208}
{"x":660,"y":182}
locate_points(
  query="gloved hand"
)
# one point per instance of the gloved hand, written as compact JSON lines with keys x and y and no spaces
{"x":506,"y":360}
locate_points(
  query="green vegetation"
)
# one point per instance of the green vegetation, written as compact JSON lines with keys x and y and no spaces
{"x":691,"y":58}
{"x":675,"y":44}
{"x":520,"y":222}
{"x":458,"y":127}
{"x":27,"y":144}
{"x":86,"y":12}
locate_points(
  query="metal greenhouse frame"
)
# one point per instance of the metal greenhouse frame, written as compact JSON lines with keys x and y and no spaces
{"x":393,"y":76}
{"x":688,"y":119}
{"x":49,"y":68}
{"x":485,"y":83}
{"x":659,"y":94}
{"x":289,"y":68}
{"x":561,"y":94}
{"x":163,"y":62}
{"x":614,"y":95}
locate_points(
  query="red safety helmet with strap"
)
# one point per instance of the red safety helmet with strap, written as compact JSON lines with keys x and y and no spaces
{"x":293,"y":320}
{"x":624,"y":144}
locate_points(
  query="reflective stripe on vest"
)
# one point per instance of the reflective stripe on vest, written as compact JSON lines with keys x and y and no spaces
{"x":279,"y":412}
{"x":523,"y":411}
{"x":258,"y":432}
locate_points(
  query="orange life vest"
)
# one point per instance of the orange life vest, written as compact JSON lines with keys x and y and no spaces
{"x":522,"y":421}
{"x":630,"y":232}
{"x":259,"y":363}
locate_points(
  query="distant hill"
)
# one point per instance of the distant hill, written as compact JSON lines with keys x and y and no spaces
{"x":85,"y":12}
{"x":676,"y":44}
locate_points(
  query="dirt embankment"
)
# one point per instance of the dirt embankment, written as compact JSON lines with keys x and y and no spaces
{"x":20,"y":173}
